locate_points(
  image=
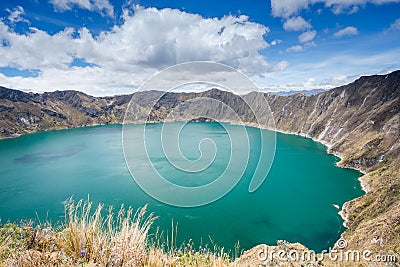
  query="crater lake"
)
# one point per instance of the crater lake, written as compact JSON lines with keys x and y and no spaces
{"x":39,"y":171}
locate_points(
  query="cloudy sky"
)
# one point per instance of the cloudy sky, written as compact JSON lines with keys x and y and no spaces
{"x":105,"y":47}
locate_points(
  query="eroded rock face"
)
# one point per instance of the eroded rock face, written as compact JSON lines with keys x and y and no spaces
{"x":360,"y":122}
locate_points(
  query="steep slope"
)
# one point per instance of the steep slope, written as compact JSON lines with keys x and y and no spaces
{"x":360,"y":122}
{"x":27,"y":112}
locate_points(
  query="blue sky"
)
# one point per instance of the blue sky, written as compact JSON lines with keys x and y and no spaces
{"x":105,"y":47}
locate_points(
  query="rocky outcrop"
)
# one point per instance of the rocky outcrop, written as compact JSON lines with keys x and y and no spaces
{"x":283,"y":254}
{"x":360,"y":122}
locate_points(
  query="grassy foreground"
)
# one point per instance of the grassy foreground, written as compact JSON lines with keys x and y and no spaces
{"x":89,"y":238}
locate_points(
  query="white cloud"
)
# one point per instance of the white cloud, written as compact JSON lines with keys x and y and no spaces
{"x":299,"y":48}
{"x":295,"y":48}
{"x":331,"y":69}
{"x":354,"y":9}
{"x":91,"y":80}
{"x":36,"y":49}
{"x":307,"y":36}
{"x":395,"y":25}
{"x":160,"y":38}
{"x":310,"y":44}
{"x":102,"y":6}
{"x":281,"y":66}
{"x":339,"y":80}
{"x":147,"y":41}
{"x":275,"y":42}
{"x":16,"y":15}
{"x":338,"y":9}
{"x":296,"y":24}
{"x":287,"y":8}
{"x":348,"y":31}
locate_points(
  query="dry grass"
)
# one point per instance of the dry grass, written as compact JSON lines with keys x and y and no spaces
{"x":100,"y":238}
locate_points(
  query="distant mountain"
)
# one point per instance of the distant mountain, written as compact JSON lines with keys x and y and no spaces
{"x":360,"y":122}
{"x":293,"y":92}
{"x":28,"y":112}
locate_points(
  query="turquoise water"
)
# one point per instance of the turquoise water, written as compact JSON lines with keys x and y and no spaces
{"x":39,"y":171}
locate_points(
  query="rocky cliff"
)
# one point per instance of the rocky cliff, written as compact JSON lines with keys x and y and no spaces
{"x":360,"y":122}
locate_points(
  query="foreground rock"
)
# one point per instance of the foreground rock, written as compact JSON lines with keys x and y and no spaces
{"x":284,"y":254}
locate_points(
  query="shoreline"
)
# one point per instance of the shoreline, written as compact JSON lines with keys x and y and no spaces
{"x":58,"y":129}
{"x":343,"y":213}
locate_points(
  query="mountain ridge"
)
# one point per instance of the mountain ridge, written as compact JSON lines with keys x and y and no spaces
{"x":308,"y":92}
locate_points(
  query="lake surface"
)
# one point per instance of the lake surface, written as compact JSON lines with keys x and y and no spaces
{"x":295,"y":203}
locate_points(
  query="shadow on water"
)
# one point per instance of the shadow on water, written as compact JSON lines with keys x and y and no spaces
{"x":44,"y":157}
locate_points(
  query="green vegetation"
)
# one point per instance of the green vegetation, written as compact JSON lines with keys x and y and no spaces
{"x":88,"y":238}
{"x":13,"y":239}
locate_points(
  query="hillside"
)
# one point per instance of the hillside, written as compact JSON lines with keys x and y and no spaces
{"x":27,"y":112}
{"x":360,"y":122}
